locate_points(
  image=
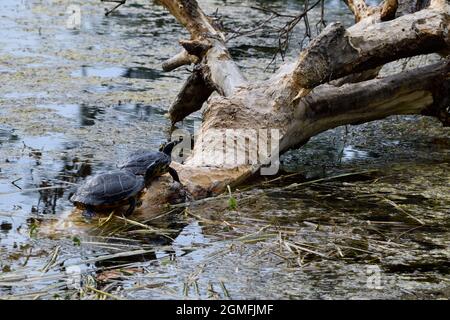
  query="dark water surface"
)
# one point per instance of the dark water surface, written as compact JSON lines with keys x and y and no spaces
{"x":74,"y":102}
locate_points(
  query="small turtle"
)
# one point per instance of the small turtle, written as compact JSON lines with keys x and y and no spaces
{"x":108,"y":191}
{"x":157,"y":162}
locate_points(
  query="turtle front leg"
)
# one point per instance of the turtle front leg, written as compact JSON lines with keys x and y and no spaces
{"x":132,"y":206}
{"x":174,"y":174}
{"x":88,"y":212}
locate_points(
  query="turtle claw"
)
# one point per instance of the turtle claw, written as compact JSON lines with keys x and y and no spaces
{"x":174,"y":175}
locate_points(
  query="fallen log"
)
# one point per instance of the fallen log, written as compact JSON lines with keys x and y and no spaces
{"x":301,"y":100}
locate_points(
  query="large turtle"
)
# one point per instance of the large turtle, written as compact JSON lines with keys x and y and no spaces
{"x":157,"y":162}
{"x":108,"y":191}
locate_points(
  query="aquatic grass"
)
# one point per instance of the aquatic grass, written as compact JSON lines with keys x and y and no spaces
{"x":212,"y":294}
{"x":101,"y":293}
{"x":232,"y":202}
{"x":160,"y":216}
{"x":52,"y":260}
{"x":226,"y":294}
{"x":144,"y":226}
{"x":118,"y":246}
{"x":115,"y":226}
{"x":251,"y":192}
{"x":34,"y":228}
{"x":218,"y":222}
{"x":396,"y":206}
{"x":254,"y":238}
{"x":146,"y":229}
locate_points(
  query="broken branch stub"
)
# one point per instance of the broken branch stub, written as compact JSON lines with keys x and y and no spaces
{"x":194,"y":93}
{"x":196,"y":48}
{"x":181,"y":59}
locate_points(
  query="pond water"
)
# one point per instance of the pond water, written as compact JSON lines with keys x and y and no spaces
{"x":354,"y":202}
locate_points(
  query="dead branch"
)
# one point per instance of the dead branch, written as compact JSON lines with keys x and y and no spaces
{"x":275,"y":103}
{"x":181,"y":59}
{"x":208,"y":45}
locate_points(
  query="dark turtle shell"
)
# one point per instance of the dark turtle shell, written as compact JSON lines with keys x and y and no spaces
{"x":108,"y":189}
{"x":138,"y":162}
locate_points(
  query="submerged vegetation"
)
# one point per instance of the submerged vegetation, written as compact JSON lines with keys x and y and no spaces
{"x":345,"y":208}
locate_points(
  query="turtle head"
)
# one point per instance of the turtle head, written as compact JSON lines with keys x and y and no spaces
{"x":155,"y":169}
{"x":168,"y":147}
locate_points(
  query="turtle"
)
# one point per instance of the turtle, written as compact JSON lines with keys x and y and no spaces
{"x":157,"y":162}
{"x":107,"y":191}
